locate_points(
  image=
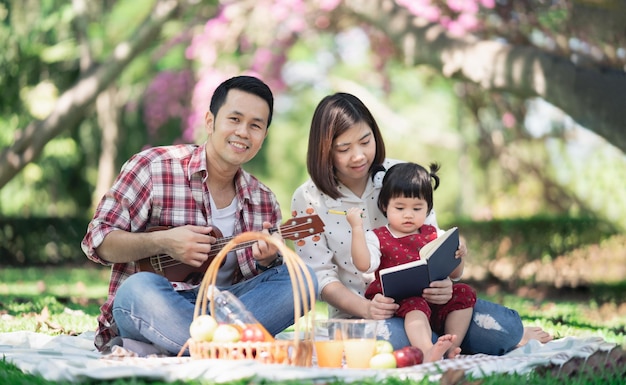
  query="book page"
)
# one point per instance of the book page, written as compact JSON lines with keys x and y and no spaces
{"x":430,"y":247}
{"x":402,"y":266}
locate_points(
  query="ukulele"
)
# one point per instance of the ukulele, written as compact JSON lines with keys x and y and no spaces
{"x":177,"y":271}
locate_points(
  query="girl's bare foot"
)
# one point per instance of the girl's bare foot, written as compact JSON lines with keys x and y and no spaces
{"x":534,"y":333}
{"x":453,"y":352}
{"x":439,"y":348}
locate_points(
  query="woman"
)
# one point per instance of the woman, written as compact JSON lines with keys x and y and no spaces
{"x":346,"y":162}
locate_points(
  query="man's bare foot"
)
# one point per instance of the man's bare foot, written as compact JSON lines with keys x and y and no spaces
{"x":534,"y":333}
{"x":439,"y":348}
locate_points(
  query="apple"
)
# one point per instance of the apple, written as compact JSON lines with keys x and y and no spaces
{"x":226,"y":333}
{"x":252,"y":333}
{"x":416,"y":353}
{"x":202,"y":328}
{"x":403,"y":359}
{"x":383,"y":347}
{"x":383,"y":361}
{"x":408,"y":356}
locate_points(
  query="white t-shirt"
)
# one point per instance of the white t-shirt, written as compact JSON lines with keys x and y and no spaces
{"x":224,"y":220}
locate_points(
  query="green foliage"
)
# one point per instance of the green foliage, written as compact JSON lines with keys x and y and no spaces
{"x":536,"y":238}
{"x":38,"y":241}
{"x":10,"y":374}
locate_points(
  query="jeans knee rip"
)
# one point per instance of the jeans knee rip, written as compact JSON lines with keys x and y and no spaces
{"x":383,"y":331}
{"x":486,"y":321}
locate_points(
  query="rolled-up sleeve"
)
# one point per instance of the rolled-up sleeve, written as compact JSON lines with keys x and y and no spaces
{"x":124,"y":207}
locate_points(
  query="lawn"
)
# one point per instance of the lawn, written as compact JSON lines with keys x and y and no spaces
{"x":66,"y":300}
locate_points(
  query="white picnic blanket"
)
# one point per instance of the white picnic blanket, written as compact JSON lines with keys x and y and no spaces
{"x":74,"y":359}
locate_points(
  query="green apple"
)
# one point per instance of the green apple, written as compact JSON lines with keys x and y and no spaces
{"x":383,"y":347}
{"x":226,"y":333}
{"x":202,"y":328}
{"x":383,"y":361}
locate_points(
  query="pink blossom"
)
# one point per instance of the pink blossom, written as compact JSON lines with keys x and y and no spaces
{"x":508,"y":120}
{"x":463,"y":6}
{"x":455,"y":28}
{"x":467,"y":21}
{"x":488,"y":3}
{"x":421,"y":8}
{"x":328,"y":5}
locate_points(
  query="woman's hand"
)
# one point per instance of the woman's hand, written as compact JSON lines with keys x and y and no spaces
{"x":381,"y":307}
{"x":439,"y":292}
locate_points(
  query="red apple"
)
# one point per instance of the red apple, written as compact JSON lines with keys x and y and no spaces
{"x":252,"y":333}
{"x":402,"y":357}
{"x":416,"y":353}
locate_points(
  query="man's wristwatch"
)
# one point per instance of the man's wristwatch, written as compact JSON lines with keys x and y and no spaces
{"x":276,"y":262}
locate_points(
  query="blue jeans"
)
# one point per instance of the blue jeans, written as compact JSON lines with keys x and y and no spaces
{"x":147,"y":309}
{"x":494,"y":330}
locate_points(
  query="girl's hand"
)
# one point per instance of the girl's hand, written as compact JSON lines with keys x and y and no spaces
{"x":354,"y":217}
{"x":439,"y":292}
{"x":381,"y":307}
{"x":461,"y":252}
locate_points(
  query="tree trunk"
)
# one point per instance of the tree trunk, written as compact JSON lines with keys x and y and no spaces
{"x":593,"y":97}
{"x":109,"y":126}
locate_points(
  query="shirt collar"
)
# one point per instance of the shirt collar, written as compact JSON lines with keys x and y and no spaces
{"x":197,"y":163}
{"x":348,"y":196}
{"x":244,"y":184}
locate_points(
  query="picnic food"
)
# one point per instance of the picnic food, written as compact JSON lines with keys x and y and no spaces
{"x":383,"y":346}
{"x":226,"y":333}
{"x":383,"y":361}
{"x":408,"y":356}
{"x":230,"y":310}
{"x":202,"y":328}
{"x":254,"y":333}
{"x":296,"y":351}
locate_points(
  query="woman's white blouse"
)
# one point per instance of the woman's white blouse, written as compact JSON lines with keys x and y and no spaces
{"x":330,"y":255}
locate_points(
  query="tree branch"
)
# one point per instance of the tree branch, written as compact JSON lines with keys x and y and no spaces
{"x":592,"y":96}
{"x":71,"y":105}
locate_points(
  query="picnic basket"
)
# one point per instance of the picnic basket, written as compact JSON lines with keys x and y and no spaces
{"x":297,"y":351}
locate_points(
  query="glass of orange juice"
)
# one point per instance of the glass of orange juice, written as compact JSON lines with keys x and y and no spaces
{"x":359,"y":342}
{"x":328,"y":343}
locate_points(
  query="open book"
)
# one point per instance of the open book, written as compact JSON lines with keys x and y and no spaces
{"x":436,"y":262}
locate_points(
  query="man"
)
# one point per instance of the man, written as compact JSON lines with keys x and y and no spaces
{"x":190,"y":191}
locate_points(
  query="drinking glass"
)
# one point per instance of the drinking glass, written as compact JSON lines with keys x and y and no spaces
{"x":359,"y":342}
{"x":328,"y":343}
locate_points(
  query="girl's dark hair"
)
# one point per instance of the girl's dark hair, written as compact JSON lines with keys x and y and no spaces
{"x":334,"y":115}
{"x":408,"y":180}
{"x":248,"y":84}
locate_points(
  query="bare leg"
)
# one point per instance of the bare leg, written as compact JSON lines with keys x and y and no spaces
{"x":457,"y":323}
{"x":443,"y":345}
{"x":420,"y":334}
{"x":418,"y":330}
{"x":534,"y":333}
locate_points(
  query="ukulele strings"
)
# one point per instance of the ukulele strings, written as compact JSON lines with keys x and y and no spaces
{"x":166,"y":261}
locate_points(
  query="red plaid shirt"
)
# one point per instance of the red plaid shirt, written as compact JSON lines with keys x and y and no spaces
{"x":166,"y":186}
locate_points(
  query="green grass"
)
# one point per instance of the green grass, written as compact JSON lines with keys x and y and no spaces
{"x":72,"y":297}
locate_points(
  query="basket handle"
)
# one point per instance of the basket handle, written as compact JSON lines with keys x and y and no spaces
{"x":301,"y":280}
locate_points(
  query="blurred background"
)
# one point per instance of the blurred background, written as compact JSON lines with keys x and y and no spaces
{"x":522,"y":103}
